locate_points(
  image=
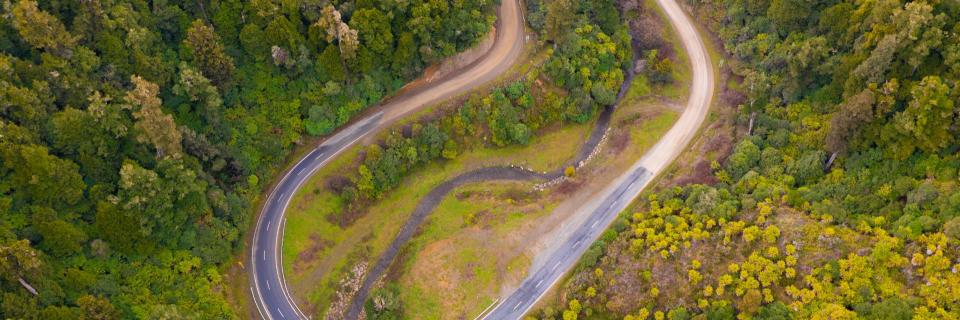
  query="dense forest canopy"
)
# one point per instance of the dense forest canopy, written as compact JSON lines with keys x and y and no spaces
{"x":136,"y":135}
{"x":841,"y":203}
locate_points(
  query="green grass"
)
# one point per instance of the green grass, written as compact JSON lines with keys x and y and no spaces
{"x":370,"y":235}
{"x":639,"y":88}
{"x":426,"y":297}
{"x":651,"y":130}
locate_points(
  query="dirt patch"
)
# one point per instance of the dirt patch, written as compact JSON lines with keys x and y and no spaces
{"x":701,"y":173}
{"x":618,"y":142}
{"x":569,"y":186}
{"x":347,"y":217}
{"x":520,"y":195}
{"x":306,"y":257}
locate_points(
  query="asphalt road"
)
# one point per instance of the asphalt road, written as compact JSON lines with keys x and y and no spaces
{"x":600,"y":212}
{"x":267,"y":283}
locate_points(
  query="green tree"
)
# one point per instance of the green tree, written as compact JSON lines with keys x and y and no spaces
{"x":336,"y":29}
{"x":41,"y":30}
{"x":208,"y":53}
{"x":41,"y":178}
{"x":153,"y":125}
{"x":374,"y":30}
{"x":927,"y":120}
{"x":788,"y":15}
{"x":745,"y":156}
{"x":18,"y":260}
{"x":96,"y":308}
{"x":59,"y":237}
{"x":193,"y":85}
{"x":560,"y":17}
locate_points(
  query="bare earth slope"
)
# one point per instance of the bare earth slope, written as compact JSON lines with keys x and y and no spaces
{"x":267,"y":284}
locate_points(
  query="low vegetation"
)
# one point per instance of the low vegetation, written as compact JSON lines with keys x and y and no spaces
{"x":837,"y":199}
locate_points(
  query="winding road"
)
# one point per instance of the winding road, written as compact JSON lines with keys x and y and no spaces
{"x":268,"y":286}
{"x":267,"y":283}
{"x":597,"y":215}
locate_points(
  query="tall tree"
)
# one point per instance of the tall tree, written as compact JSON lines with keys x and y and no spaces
{"x":42,"y":30}
{"x":153,"y":125}
{"x":347,"y":38}
{"x":927,"y":120}
{"x":19,"y":260}
{"x":41,"y":178}
{"x":561,"y":14}
{"x":374,"y":30}
{"x":854,"y":113}
{"x":209,"y":54}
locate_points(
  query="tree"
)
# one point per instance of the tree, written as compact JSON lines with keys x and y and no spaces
{"x":745,"y":156}
{"x":59,"y":237}
{"x":153,"y":125}
{"x":560,"y":16}
{"x":208,"y":53}
{"x":42,"y":30}
{"x":41,"y":178}
{"x":347,"y":39}
{"x":892,"y":308}
{"x":926,"y":121}
{"x":96,"y":308}
{"x":788,"y":15}
{"x":774,"y":311}
{"x":193,"y":85}
{"x":853,"y":113}
{"x":79,"y":135}
{"x":374,"y":30}
{"x":18,"y":260}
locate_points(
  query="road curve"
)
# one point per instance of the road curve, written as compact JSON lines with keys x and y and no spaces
{"x":599,"y":213}
{"x":428,"y":203}
{"x":267,"y":283}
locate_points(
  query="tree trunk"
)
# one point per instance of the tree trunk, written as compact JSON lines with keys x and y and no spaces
{"x":833,"y":156}
{"x":27,"y":285}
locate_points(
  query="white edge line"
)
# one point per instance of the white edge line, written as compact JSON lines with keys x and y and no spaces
{"x":702,"y":51}
{"x":492,"y":304}
{"x":258,"y":305}
{"x":281,"y":228}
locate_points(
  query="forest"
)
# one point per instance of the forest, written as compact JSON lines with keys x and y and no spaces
{"x":838,"y":198}
{"x":136,"y":136}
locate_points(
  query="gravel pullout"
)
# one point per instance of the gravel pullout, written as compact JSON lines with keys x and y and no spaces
{"x":502,"y":173}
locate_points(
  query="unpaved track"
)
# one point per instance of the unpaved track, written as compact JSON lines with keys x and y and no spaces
{"x":593,"y":217}
{"x":267,"y":283}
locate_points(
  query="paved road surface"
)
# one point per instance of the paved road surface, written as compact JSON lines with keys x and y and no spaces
{"x":604,"y":209}
{"x":267,"y":283}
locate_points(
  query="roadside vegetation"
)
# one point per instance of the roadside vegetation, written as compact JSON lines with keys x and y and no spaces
{"x":827,"y":191}
{"x":516,"y":124}
{"x":479,"y":239}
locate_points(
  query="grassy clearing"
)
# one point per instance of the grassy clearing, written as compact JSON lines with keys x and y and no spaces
{"x":317,"y":253}
{"x":464,"y":252}
{"x":478,"y":239}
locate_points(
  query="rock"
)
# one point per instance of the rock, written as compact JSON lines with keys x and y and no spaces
{"x":639,"y":66}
